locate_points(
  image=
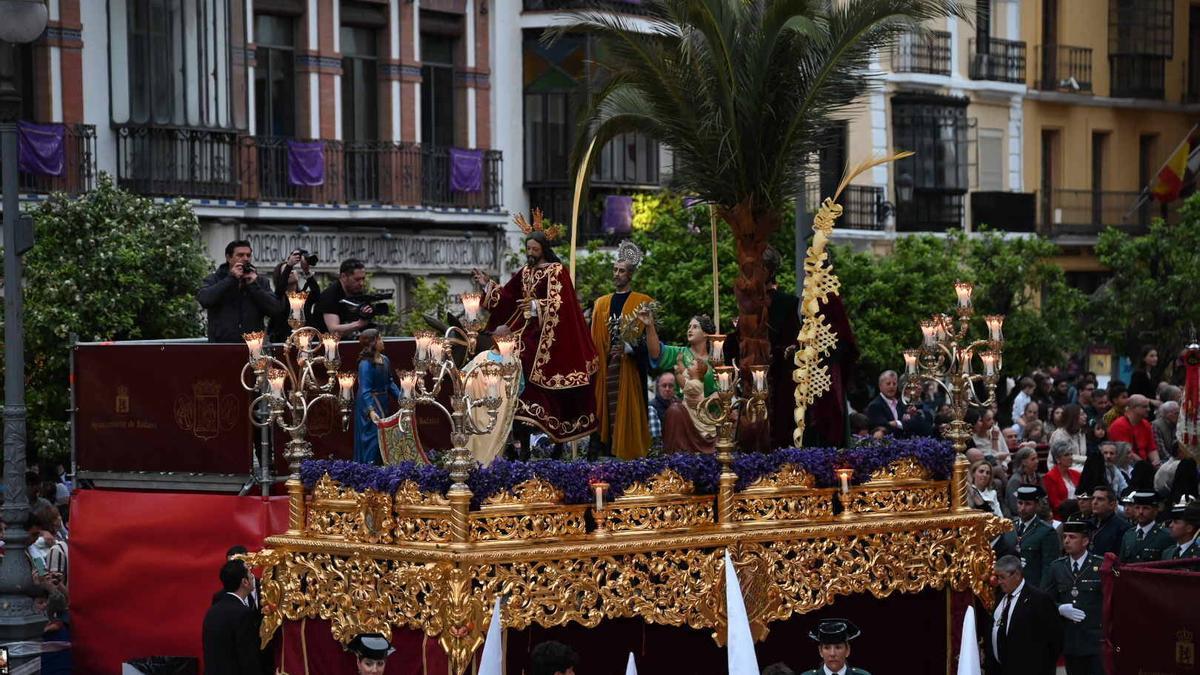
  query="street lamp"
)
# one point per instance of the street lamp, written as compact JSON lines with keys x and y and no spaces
{"x":22,"y":21}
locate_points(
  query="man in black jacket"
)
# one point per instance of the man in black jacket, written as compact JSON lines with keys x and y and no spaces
{"x":236,"y":297}
{"x":1023,"y":635}
{"x":231,"y":627}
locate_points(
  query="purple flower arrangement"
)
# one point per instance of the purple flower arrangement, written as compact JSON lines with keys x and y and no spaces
{"x":575,"y":477}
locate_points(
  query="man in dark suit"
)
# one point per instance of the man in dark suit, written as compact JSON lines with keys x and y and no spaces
{"x":1074,"y":584}
{"x":887,"y":410}
{"x":1147,"y":539}
{"x":1031,"y":538}
{"x":1023,"y":634}
{"x":1110,"y":525}
{"x":230,"y":634}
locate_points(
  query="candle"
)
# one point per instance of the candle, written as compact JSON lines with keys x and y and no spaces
{"x":330,"y":343}
{"x":346,"y":383}
{"x":716,"y":349}
{"x":476,"y":387}
{"x":275,"y":378}
{"x":303,"y":342}
{"x":254,"y":343}
{"x":758,"y":375}
{"x":939,"y":328}
{"x":994,"y":323}
{"x":724,"y":378}
{"x":929,"y":331}
{"x":598,"y":489}
{"x":296,"y":300}
{"x":990,"y":358}
{"x":505,"y":346}
{"x":408,"y":382}
{"x":470,"y":303}
{"x":437,"y":349}
{"x":963,"y":290}
{"x":424,"y":339}
{"x":492,"y":379}
{"x":910,"y":361}
{"x":844,"y":475}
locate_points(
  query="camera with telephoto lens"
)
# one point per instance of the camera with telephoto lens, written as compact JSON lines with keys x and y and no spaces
{"x":376,"y":301}
{"x":310,"y":257}
{"x":248,"y":268}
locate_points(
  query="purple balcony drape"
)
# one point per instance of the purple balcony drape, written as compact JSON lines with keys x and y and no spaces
{"x":306,"y":163}
{"x":41,"y":148}
{"x":466,"y":170}
{"x":618,"y":214}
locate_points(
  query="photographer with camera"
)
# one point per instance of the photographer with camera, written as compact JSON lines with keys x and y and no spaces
{"x":344,"y":307}
{"x":295,"y":274}
{"x":236,"y":297}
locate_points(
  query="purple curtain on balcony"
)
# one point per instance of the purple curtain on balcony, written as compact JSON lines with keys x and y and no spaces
{"x":306,"y":163}
{"x":466,"y":170}
{"x":41,"y":148}
{"x":618,"y":214}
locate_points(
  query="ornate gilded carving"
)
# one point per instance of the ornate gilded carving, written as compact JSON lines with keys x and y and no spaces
{"x":532,"y":491}
{"x":905,"y":468}
{"x":462,"y":618}
{"x":661,"y":514}
{"x":527,"y":523}
{"x":665,"y":482}
{"x":809,"y":505}
{"x":761,"y":597}
{"x":898,"y":499}
{"x":409,"y":494}
{"x":788,"y":475}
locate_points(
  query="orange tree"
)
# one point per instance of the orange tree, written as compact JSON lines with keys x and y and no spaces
{"x":740,"y":90}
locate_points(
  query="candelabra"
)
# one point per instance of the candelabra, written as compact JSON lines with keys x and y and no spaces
{"x":471,"y":391}
{"x":288,"y":390}
{"x":720,"y":409}
{"x":946,"y":359}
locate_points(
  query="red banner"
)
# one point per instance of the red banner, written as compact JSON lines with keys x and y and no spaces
{"x":1151,"y":616}
{"x":172,"y":407}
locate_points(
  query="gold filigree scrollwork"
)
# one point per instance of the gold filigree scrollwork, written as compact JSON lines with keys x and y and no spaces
{"x":517,"y":522}
{"x":532,"y":491}
{"x":665,"y":482}
{"x":905,"y":468}
{"x":660,"y":513}
{"x":811,"y":505}
{"x":788,"y":475}
{"x":409,"y":494}
{"x":898,"y":499}
{"x":762,"y":600}
{"x":462,"y":618}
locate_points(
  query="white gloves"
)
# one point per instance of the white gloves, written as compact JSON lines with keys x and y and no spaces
{"x":1072,"y":612}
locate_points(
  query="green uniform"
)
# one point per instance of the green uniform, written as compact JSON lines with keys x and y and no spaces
{"x":1172,"y":552}
{"x":1082,"y":590}
{"x":850,"y":670}
{"x":1036,"y":543}
{"x":1150,"y":547}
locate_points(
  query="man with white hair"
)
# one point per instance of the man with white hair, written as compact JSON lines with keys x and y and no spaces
{"x":888,"y":411}
{"x":1164,"y":430}
{"x":1133,"y":428}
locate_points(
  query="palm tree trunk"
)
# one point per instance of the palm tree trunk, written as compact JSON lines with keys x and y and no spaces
{"x":752,"y":228}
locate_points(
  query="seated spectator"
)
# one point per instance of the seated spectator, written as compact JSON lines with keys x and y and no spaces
{"x":1113,"y":476}
{"x":1024,"y":467}
{"x":1034,"y":433}
{"x":1028,"y":414}
{"x":1118,"y":396}
{"x":1061,"y":480}
{"x":1164,"y":430}
{"x":1133,"y":428}
{"x":664,"y":396}
{"x":1073,"y":422}
{"x":981,"y":494}
{"x":986,"y":435}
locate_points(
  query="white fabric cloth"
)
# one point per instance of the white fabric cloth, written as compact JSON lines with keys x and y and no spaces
{"x":739,"y":641}
{"x":968,"y":653}
{"x":492,"y":660}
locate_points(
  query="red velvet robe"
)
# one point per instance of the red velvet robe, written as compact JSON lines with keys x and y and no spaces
{"x":557,"y":354}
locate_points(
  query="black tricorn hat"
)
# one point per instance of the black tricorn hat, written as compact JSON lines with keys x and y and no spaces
{"x":1077,"y":525}
{"x":1030,"y":493}
{"x":371,"y":646}
{"x":834,"y":632}
{"x":1143,"y":498}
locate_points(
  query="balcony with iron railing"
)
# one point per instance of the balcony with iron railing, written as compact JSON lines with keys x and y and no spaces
{"x":1138,"y":76}
{"x":862,"y":206}
{"x":74,"y":175}
{"x":1064,"y":68}
{"x":171,"y":162}
{"x":1086,"y":213}
{"x":925,"y":52}
{"x":998,"y":60}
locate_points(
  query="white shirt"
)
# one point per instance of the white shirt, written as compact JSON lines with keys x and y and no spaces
{"x":1012,"y":603}
{"x":1078,"y":562}
{"x":242,"y":600}
{"x":1145,"y":529}
{"x":1184,"y":548}
{"x":825,"y":669}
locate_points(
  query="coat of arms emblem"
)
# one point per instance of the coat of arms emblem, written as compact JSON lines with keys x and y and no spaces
{"x":206,"y":412}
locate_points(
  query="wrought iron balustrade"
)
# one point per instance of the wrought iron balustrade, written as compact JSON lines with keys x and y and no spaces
{"x":1064,"y":68}
{"x":78,"y":169}
{"x":927,"y":52}
{"x":178,"y":161}
{"x":1138,"y":76}
{"x":998,"y":60}
{"x":1089,"y":212}
{"x":435,"y":181}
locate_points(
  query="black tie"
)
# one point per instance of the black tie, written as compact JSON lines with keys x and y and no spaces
{"x":1141,"y":534}
{"x":1002,"y":631}
{"x":1020,"y":529}
{"x":1075,"y":567}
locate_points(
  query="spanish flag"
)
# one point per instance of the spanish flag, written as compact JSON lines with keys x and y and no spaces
{"x":1177,"y":177}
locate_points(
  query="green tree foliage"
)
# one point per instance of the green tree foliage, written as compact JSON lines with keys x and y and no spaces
{"x":425,"y":298}
{"x":886,"y":297}
{"x":677,"y":270}
{"x":1153,"y":297}
{"x":106,"y":266}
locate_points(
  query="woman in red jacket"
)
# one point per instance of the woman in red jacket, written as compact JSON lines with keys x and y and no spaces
{"x":1060,"y":482}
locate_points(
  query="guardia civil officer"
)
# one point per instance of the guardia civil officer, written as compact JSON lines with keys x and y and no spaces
{"x":1074,"y":584}
{"x":1032,"y":539}
{"x":1147,"y":539}
{"x":834,"y":636}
